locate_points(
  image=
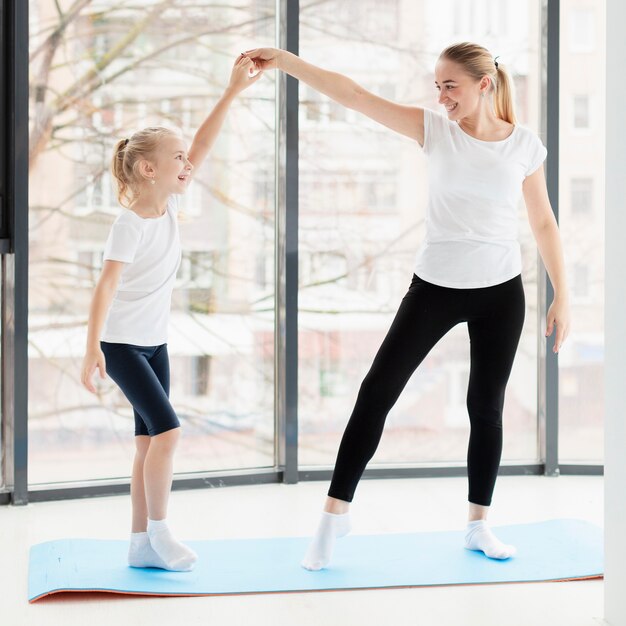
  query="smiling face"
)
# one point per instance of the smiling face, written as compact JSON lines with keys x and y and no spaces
{"x":172,"y":165}
{"x":458,"y":91}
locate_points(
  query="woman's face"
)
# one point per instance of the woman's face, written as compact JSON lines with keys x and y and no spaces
{"x":458,"y":92}
{"x":172,"y":165}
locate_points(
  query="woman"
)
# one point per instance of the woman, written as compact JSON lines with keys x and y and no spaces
{"x":468,"y":269}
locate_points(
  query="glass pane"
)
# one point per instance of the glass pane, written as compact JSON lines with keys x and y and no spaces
{"x":103,"y":82}
{"x":581,"y":219}
{"x":363,"y":195}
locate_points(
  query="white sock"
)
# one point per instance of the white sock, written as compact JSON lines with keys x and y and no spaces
{"x":320,"y":551}
{"x":480,"y":537}
{"x":174,"y":554}
{"x":141,"y":553}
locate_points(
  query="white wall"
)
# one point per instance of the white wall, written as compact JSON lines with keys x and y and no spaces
{"x":615,"y":318}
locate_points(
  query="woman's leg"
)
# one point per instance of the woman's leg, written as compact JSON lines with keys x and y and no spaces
{"x":494,"y":335}
{"x":426,"y":313}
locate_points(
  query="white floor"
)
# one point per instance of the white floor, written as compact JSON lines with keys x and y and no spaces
{"x":381,"y":506}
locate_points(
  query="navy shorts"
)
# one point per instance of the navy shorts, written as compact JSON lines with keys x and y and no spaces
{"x":143,"y":375}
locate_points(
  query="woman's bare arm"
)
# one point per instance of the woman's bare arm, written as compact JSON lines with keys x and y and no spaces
{"x":406,"y":120}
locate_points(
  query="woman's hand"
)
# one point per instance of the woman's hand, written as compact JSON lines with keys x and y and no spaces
{"x":558,"y":314}
{"x":264,"y":58}
{"x":241,"y":76}
{"x":94,"y":358}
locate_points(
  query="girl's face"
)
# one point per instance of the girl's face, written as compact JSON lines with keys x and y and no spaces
{"x":173,"y":168}
{"x":458,"y":92}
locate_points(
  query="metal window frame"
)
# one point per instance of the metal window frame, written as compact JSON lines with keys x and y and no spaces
{"x":547,"y":370}
{"x":15,"y":290}
{"x":14,"y":252}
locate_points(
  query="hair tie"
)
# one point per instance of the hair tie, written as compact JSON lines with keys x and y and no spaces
{"x":125,"y":142}
{"x":496,"y":61}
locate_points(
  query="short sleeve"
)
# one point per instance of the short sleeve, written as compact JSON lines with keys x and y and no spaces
{"x":123,"y":242}
{"x":435,"y":129}
{"x":537,"y":155}
{"x":427,"y":130}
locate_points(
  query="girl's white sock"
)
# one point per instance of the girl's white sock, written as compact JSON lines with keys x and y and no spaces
{"x":479,"y":537}
{"x":141,"y":553}
{"x":320,"y":551}
{"x":175,"y":555}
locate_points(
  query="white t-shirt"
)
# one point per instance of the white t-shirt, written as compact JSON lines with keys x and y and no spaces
{"x":472,"y":213}
{"x":150,"y":247}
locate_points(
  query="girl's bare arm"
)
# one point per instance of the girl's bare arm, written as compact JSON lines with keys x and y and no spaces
{"x":100,"y":303}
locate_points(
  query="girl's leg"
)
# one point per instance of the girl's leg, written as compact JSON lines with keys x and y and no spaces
{"x":137,"y":489}
{"x":158,"y":471}
{"x":426,"y":313}
{"x":494,"y":337}
{"x":140,"y":552}
{"x":143,"y":375}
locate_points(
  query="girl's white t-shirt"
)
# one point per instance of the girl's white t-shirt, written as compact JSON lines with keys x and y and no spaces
{"x":150,"y":248}
{"x":472,"y":213}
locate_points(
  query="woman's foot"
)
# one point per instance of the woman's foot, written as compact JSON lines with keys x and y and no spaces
{"x":478,"y":536}
{"x":320,"y":551}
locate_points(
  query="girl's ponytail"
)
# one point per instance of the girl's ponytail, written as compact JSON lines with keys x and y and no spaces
{"x":117,"y":169}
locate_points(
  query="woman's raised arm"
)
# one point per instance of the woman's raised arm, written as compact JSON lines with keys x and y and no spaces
{"x":406,"y":120}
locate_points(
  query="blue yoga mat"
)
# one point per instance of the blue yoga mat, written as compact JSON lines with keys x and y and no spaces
{"x":562,"y":549}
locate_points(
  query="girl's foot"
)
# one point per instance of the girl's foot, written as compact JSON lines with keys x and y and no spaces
{"x":175,"y":555}
{"x":141,"y":553}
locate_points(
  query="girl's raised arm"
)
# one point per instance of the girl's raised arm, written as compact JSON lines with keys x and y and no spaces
{"x":406,"y":120}
{"x":207,"y":133}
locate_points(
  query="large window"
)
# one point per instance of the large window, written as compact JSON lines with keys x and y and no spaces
{"x":97,"y":83}
{"x":363,"y":194}
{"x":100,"y":70}
{"x":581,"y":218}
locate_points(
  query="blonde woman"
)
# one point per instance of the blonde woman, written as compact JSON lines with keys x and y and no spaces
{"x":468,"y":269}
{"x":128,"y":319}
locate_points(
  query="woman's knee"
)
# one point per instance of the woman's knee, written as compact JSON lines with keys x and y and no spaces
{"x":485,"y":410}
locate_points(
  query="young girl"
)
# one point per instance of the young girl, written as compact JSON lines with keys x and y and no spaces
{"x":468,"y":269}
{"x":128,"y":319}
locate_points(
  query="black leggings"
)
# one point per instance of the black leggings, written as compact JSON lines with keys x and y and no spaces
{"x":494,"y":316}
{"x":143,"y":375}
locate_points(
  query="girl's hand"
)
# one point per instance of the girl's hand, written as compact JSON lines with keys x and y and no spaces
{"x":264,"y":58}
{"x":558,"y":314}
{"x":241,"y":76}
{"x":93,"y":359}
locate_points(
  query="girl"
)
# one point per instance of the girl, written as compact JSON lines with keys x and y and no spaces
{"x":468,"y":269}
{"x":129,"y":313}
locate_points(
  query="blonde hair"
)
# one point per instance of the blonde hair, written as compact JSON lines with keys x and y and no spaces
{"x":478,"y":62}
{"x":126,"y":156}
